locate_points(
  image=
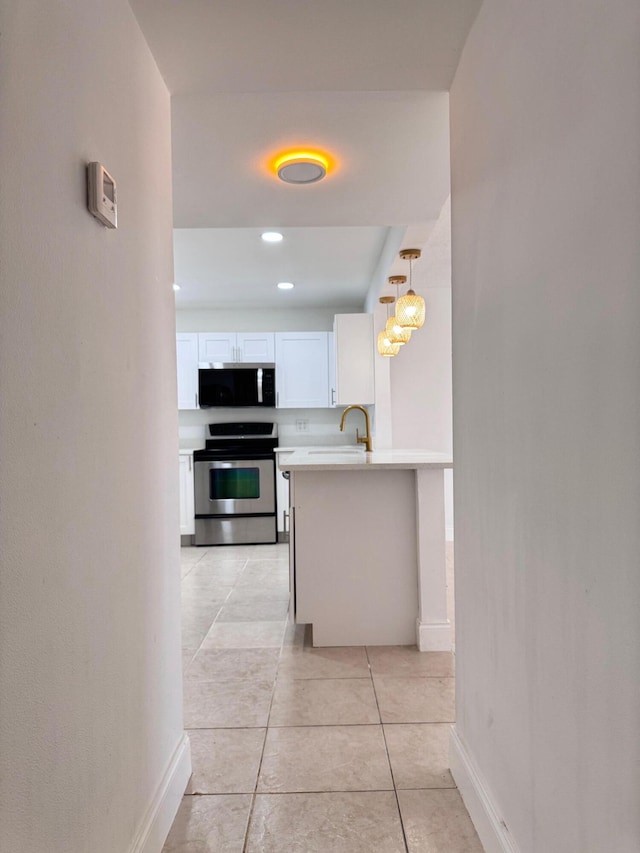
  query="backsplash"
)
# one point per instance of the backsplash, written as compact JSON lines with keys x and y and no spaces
{"x":322,"y":425}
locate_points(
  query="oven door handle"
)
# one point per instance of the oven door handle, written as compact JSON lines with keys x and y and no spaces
{"x":259,"y":384}
{"x":233,"y":455}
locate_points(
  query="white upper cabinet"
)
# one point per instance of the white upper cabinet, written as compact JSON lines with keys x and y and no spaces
{"x":187,"y":358}
{"x":256,"y":347}
{"x":230,"y":347}
{"x":302,"y":370}
{"x":354,"y":359}
{"x":217,"y":346}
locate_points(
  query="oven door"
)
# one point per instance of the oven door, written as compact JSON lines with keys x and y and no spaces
{"x":235,"y":487}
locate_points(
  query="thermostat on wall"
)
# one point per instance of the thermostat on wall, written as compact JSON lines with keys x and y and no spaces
{"x":101,"y":194}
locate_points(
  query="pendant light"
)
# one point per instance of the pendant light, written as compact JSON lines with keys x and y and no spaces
{"x":386,"y":347}
{"x":410,"y":308}
{"x":395,"y":331}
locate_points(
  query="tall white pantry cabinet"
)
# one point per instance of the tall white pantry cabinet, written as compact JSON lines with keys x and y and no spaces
{"x":302,"y":370}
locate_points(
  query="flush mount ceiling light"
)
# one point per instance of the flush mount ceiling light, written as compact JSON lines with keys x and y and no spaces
{"x":286,"y":285}
{"x":386,"y":347}
{"x":272,"y":236}
{"x":176,"y":287}
{"x":301,"y":167}
{"x":410,"y":308}
{"x":396,"y":333}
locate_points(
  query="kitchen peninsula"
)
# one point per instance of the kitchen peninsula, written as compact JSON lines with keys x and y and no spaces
{"x":368,"y":546}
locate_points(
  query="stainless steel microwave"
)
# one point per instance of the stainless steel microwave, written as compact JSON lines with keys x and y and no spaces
{"x":231,"y":385}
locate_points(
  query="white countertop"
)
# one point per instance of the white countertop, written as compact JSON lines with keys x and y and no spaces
{"x":351,"y":459}
{"x":188,"y":445}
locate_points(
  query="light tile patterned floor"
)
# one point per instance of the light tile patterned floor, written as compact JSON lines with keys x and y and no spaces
{"x":302,"y":750}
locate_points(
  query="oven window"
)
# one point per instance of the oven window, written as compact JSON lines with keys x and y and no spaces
{"x":234,"y":483}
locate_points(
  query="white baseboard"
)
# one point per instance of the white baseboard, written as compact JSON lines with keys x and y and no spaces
{"x":491,"y":829}
{"x":434,"y":636}
{"x":164,"y":806}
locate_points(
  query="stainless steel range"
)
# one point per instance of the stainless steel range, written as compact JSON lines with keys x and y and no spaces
{"x":235,"y":485}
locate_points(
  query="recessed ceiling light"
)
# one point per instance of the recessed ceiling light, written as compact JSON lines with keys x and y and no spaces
{"x":176,"y":287}
{"x":301,"y":166}
{"x":272,"y":237}
{"x":286,"y":285}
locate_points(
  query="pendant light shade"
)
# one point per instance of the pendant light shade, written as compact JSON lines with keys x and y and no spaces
{"x":395,"y":331}
{"x":411,"y":311}
{"x":386,"y":347}
{"x":410,"y":308}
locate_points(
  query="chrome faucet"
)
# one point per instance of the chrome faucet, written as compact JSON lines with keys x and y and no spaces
{"x":362,"y":439}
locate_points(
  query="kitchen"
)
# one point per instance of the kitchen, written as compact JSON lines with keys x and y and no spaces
{"x":339,"y":367}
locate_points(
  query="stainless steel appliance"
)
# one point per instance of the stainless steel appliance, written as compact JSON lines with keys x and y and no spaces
{"x":235,"y":485}
{"x":230,"y":385}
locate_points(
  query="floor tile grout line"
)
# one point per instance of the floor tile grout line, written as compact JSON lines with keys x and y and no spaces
{"x":264,"y":744}
{"x":318,"y":725}
{"x":325,"y":791}
{"x":182,"y":577}
{"x":386,"y":746}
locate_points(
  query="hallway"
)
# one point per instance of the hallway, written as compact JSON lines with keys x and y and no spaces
{"x":300,"y":749}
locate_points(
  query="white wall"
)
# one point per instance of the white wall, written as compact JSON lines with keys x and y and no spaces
{"x":90,"y":673}
{"x":420,"y":375}
{"x":256,"y":320}
{"x":421,"y":372}
{"x":545,"y":120}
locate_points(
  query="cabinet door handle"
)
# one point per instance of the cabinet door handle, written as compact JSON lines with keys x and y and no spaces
{"x":196,"y":399}
{"x":333,"y":396}
{"x":277,"y":399}
{"x":190,"y":462}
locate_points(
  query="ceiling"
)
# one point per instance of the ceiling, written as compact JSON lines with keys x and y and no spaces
{"x":365,"y":80}
{"x":234,"y":266}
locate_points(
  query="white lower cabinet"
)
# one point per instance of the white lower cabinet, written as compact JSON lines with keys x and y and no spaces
{"x":282,"y":497}
{"x":187,"y":509}
{"x":302,"y":370}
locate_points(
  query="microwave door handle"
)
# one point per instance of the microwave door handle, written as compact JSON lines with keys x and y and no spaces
{"x":259,"y":384}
